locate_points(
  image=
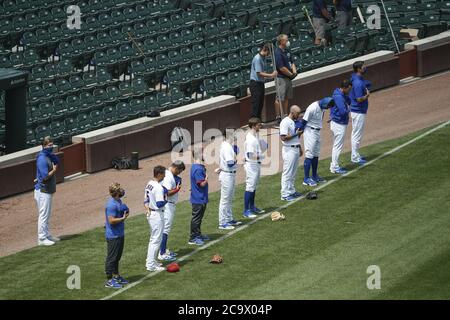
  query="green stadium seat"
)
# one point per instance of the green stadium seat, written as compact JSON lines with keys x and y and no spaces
{"x":223,"y":64}
{"x":31,"y":137}
{"x":222,"y":84}
{"x":235,"y":61}
{"x":123,"y":112}
{"x":83,"y":122}
{"x":41,"y":132}
{"x":57,"y":131}
{"x":162,"y":61}
{"x":177,"y":98}
{"x":71,"y":126}
{"x":63,"y":86}
{"x":87,"y":102}
{"x":151,"y":103}
{"x":212,"y":48}
{"x":138,"y":107}
{"x":73,"y":104}
{"x":96,"y":119}
{"x":139,"y":87}
{"x":164,"y":100}
{"x":88,"y":79}
{"x":77,"y":83}
{"x":110,"y":114}
{"x":100,"y":98}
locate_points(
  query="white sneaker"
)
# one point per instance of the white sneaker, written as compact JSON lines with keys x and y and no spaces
{"x":54,"y":239}
{"x":45,"y":242}
{"x":226,"y":226}
{"x":166,"y":257}
{"x":156,"y":269}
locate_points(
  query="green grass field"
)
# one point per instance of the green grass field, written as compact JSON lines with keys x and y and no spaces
{"x":393,"y":214}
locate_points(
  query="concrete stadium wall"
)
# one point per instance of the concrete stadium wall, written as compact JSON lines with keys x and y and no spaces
{"x":432,"y":54}
{"x":93,"y":151}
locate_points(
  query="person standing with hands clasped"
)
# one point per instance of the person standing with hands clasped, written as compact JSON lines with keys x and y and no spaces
{"x":359,"y":96}
{"x":338,"y":123}
{"x":291,"y":152}
{"x":227,"y":174}
{"x":155,"y":198}
{"x":286,"y":72}
{"x":172,"y":182}
{"x":199,"y":198}
{"x":44,"y":188}
{"x":116,"y":213}
{"x":258,"y":77}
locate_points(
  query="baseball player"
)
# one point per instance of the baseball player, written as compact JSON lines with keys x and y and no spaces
{"x":45,"y":187}
{"x":254,"y":149}
{"x":172,"y":182}
{"x":227,"y":173}
{"x":339,"y":115}
{"x":155,"y":198}
{"x":359,"y":96}
{"x":291,"y":153}
{"x":311,"y":124}
{"x":116,"y":212}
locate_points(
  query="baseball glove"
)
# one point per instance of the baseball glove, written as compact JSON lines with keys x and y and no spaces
{"x":177,"y":180}
{"x":216,"y":259}
{"x":276,"y":216}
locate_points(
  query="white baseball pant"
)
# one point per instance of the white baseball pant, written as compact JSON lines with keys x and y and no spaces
{"x":253,"y":173}
{"x":44,"y":205}
{"x":156,"y":222}
{"x":169,"y":215}
{"x":291,"y":157}
{"x":338,"y":134}
{"x":226,"y":196}
{"x":358,"y":122}
{"x":311,"y":139}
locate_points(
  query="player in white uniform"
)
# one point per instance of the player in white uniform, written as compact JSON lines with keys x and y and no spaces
{"x":291,"y":153}
{"x":172,"y":182}
{"x":155,"y":198}
{"x":312,"y":124}
{"x":253,"y":149}
{"x":227,"y":173}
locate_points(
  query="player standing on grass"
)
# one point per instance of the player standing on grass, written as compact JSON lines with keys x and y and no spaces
{"x":199,"y":198}
{"x":311,"y":124}
{"x":227,"y":175}
{"x":172,"y":182}
{"x":253,"y":156}
{"x":291,"y":153}
{"x":359,"y":96}
{"x":44,"y":188}
{"x":339,"y":115}
{"x":155,"y":198}
{"x":116,"y":213}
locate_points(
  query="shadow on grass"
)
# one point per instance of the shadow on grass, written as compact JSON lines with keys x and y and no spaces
{"x":69,"y":236}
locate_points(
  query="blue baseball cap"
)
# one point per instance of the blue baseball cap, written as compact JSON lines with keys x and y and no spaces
{"x":325,"y":102}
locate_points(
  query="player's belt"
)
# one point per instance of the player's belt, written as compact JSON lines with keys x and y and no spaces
{"x":292,"y":146}
{"x":171,"y":202}
{"x":233,"y":171}
{"x":317,"y":129}
{"x":258,"y":162}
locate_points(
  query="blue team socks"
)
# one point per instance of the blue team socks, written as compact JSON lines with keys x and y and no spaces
{"x":247,"y":200}
{"x":315,"y":164}
{"x":163,"y":247}
{"x":252,"y":199}
{"x":307,"y":167}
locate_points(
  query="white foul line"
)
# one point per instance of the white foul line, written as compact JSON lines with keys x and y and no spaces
{"x":245,"y":226}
